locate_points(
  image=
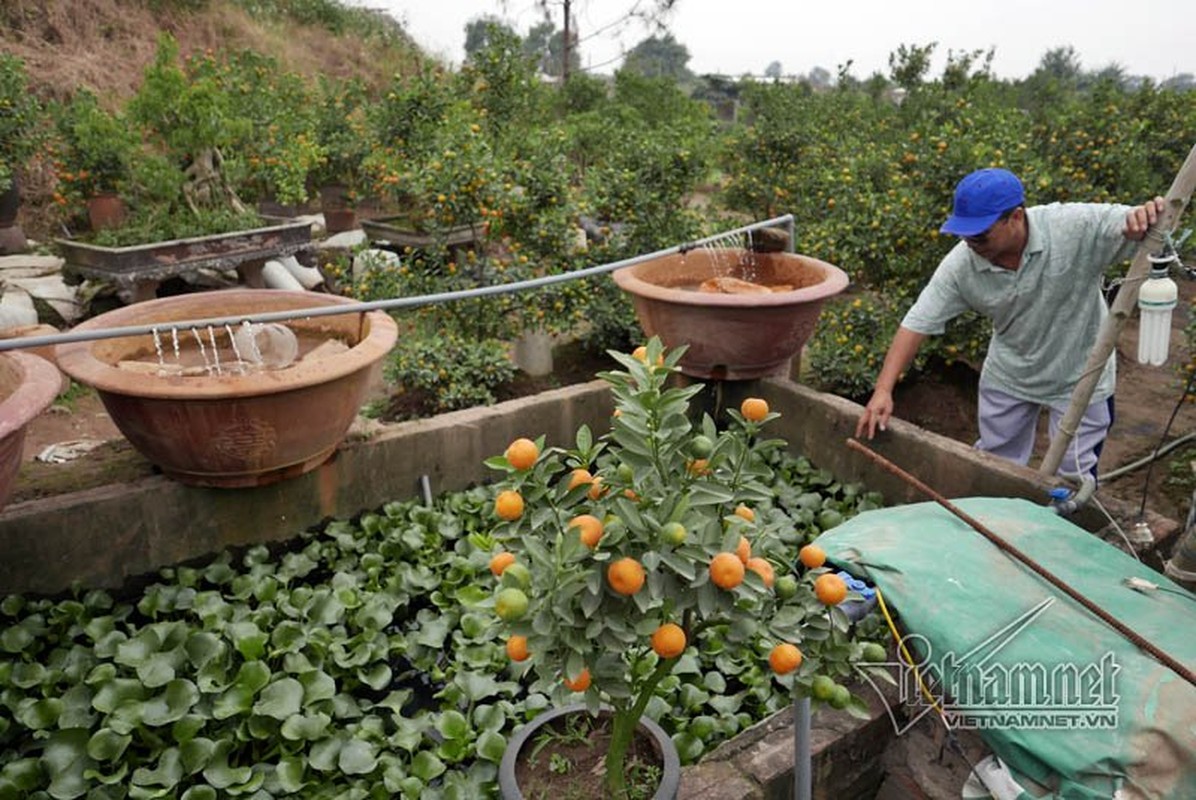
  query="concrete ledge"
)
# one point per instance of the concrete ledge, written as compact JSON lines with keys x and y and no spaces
{"x":100,"y":537}
{"x":819,"y":425}
{"x":846,"y":757}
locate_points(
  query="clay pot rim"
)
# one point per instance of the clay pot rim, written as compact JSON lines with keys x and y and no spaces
{"x":670,"y":768}
{"x":76,"y":358}
{"x":39,"y":384}
{"x":835,"y":281}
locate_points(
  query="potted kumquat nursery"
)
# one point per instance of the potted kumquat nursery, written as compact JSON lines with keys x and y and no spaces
{"x":618,"y":555}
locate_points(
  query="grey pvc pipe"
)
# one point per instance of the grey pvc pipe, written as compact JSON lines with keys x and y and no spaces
{"x":382,"y":305}
{"x":803,"y":779}
{"x":1142,"y":462}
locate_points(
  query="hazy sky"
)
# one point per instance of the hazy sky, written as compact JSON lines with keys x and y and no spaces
{"x":1146,"y":37}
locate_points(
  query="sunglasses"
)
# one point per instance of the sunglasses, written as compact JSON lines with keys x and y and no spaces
{"x":981,"y":238}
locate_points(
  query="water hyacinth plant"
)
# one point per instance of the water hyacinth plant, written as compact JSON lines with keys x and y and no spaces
{"x":621,"y":554}
{"x":364,"y":659}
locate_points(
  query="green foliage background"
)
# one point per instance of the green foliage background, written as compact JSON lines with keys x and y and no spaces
{"x":866,"y":168}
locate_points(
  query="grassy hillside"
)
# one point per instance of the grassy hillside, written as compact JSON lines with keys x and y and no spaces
{"x":104,"y":45}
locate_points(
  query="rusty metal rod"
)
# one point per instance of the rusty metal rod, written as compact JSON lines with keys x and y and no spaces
{"x":1042,"y":572}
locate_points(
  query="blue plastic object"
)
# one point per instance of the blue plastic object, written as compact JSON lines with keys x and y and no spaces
{"x":1063,"y":501}
{"x":856,"y":585}
{"x":857,"y":609}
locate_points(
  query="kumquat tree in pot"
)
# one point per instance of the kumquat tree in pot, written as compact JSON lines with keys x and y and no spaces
{"x":613,"y":558}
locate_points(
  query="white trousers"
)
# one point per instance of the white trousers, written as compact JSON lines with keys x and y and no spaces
{"x":1008,"y":424}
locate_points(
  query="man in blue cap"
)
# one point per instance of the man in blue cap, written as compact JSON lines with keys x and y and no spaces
{"x":1035,"y":273}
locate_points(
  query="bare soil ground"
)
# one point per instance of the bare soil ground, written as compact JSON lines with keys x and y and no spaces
{"x":943,"y":401}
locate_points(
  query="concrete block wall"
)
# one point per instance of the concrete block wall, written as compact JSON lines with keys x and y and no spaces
{"x":818,"y":425}
{"x":101,"y":537}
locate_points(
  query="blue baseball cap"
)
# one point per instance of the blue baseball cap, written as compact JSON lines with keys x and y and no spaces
{"x":980,"y":200}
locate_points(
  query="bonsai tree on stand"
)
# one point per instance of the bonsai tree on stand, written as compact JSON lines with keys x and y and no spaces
{"x":95,"y":163}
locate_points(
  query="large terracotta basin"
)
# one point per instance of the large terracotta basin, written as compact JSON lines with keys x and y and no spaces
{"x":28,"y":385}
{"x":731,"y":336}
{"x":231,"y":429}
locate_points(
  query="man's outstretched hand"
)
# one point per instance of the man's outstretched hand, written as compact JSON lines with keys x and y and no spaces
{"x":876,"y":415}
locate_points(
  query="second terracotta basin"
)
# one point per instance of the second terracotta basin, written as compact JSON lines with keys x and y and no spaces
{"x":731,"y":336}
{"x":28,"y":384}
{"x":233,"y":429}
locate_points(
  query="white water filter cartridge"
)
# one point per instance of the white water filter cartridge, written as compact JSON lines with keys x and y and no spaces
{"x":1156,"y":300}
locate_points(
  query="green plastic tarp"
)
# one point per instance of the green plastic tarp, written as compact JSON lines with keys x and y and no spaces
{"x":1073,"y":707}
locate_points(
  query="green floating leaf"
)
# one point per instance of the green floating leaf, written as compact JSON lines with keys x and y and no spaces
{"x":489,"y":717}
{"x":358,"y":757}
{"x":38,"y":714}
{"x":249,"y":640}
{"x":203,"y":647}
{"x":726,"y":704}
{"x":16,"y":639}
{"x":453,"y":725}
{"x":693,"y":698}
{"x":480,"y":686}
{"x":76,"y":708}
{"x":158,"y":669}
{"x":454,"y":751}
{"x":172,"y":704}
{"x":687,"y":664}
{"x":23,"y":774}
{"x":323,"y":754}
{"x":280,"y":699}
{"x":26,"y":675}
{"x":689,"y":747}
{"x":200,"y":793}
{"x":253,"y":675}
{"x":376,"y":613}
{"x":377,"y":678}
{"x":117,"y":777}
{"x":308,"y":727}
{"x":167,"y":773}
{"x":426,"y":766}
{"x":714,"y":682}
{"x":433,"y":631}
{"x":289,"y":774}
{"x":234,"y":701}
{"x":325,"y":609}
{"x":64,"y":759}
{"x":220,"y":774}
{"x":409,"y":733}
{"x":317,"y":685}
{"x":197,"y":754}
{"x":107,"y":745}
{"x":111,"y":693}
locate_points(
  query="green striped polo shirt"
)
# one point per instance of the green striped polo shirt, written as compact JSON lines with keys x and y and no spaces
{"x":1046,"y":314}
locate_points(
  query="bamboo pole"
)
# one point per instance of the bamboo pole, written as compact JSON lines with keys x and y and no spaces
{"x":1176,"y":199}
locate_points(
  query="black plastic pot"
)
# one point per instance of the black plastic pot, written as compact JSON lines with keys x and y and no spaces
{"x":10,"y":203}
{"x":670,"y":762}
